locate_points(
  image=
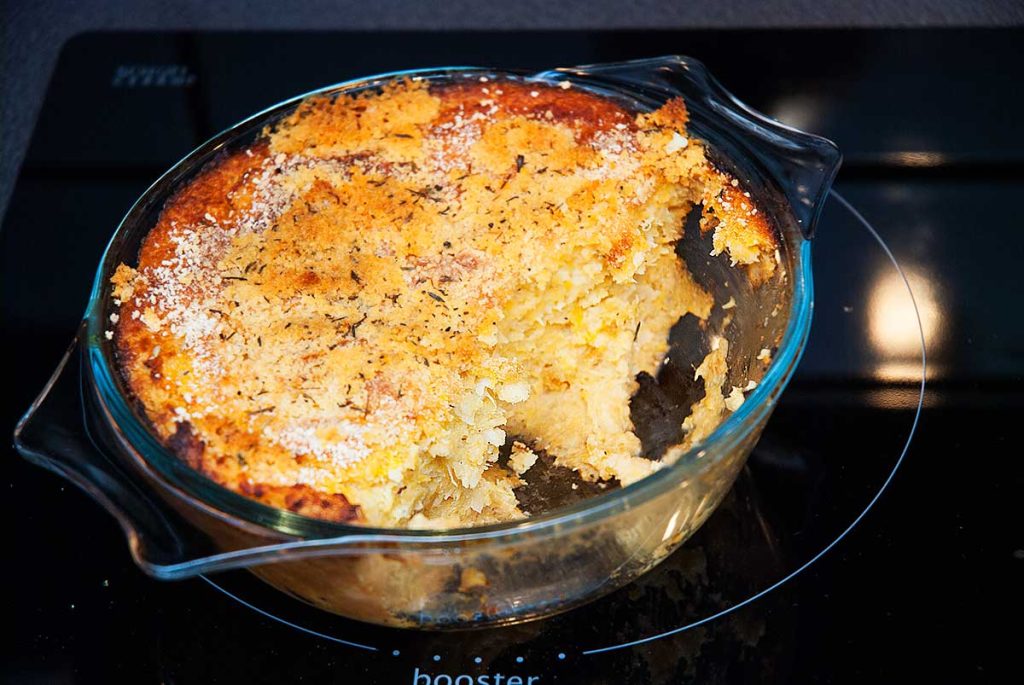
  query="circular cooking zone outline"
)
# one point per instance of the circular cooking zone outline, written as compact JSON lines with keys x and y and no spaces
{"x":564,"y":651}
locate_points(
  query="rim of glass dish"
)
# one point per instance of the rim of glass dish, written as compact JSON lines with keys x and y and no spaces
{"x":195,"y":487}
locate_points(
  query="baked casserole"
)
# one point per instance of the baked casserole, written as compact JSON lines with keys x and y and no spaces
{"x":389,"y":305}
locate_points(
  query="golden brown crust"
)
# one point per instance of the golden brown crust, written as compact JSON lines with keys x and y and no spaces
{"x":741,"y":229}
{"x":302,"y":499}
{"x":342,"y":319}
{"x":585,"y":114}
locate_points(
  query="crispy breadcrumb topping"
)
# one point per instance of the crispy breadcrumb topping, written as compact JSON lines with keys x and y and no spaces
{"x":351,"y":316}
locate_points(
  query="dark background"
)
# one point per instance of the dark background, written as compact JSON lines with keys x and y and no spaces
{"x":35,"y":30}
{"x":926,"y":589}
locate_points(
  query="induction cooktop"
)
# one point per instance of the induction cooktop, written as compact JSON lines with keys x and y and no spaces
{"x":870,"y":536}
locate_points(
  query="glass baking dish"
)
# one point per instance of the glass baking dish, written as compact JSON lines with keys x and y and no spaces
{"x":179,"y":524}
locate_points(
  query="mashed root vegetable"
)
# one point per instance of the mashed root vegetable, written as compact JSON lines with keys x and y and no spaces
{"x":350,"y":317}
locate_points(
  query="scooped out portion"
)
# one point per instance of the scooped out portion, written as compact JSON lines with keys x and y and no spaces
{"x":351,"y":316}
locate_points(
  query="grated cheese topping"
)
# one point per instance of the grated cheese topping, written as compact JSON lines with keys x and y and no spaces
{"x":377,"y":294}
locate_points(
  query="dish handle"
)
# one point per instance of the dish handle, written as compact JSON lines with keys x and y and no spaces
{"x":55,"y":434}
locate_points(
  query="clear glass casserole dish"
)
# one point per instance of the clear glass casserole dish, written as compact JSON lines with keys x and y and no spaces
{"x":86,"y":427}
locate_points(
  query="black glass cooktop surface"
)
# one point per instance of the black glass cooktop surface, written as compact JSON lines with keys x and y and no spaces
{"x":928,"y":122}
